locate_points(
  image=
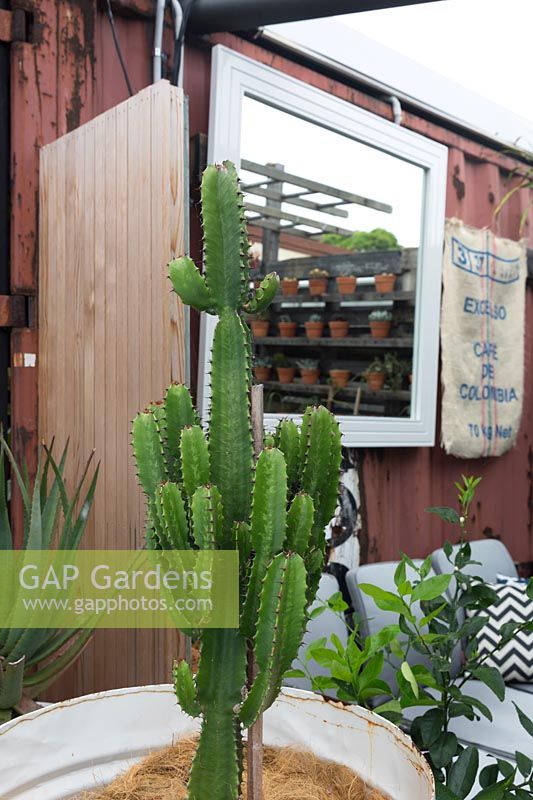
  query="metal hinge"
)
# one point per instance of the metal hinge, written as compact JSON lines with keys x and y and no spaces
{"x":14,"y":25}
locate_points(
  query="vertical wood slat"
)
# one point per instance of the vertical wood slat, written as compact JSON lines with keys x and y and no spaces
{"x":111,"y":200}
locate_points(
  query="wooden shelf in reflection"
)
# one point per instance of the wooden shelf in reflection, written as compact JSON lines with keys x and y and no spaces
{"x":296,"y":386}
{"x":348,"y":341}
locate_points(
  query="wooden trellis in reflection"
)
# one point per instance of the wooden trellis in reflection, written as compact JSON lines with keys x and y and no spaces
{"x":280,"y":188}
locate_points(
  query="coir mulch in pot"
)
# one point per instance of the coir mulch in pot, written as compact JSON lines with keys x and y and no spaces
{"x":288,"y":774}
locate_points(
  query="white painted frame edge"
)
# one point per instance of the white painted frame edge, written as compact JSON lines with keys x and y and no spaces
{"x":233,"y":76}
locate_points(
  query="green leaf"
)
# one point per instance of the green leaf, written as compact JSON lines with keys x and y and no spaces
{"x":524,"y":764}
{"x":443,"y":749}
{"x":525,"y":722}
{"x":399,"y":574}
{"x":336,"y":603}
{"x":430,"y":588}
{"x":442,"y":792}
{"x":316,"y":612}
{"x":295,"y":673}
{"x":445,"y":513}
{"x":488,"y":776}
{"x":529,"y":589}
{"x":431,"y":724}
{"x":492,"y":678}
{"x":386,"y":601}
{"x":495,"y":792}
{"x":463,"y":772}
{"x":407,"y":673}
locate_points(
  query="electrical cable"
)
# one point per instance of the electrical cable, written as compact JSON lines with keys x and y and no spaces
{"x":117,"y":46}
{"x":186,"y":6}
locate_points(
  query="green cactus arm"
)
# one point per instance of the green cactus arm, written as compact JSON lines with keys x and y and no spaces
{"x":287,"y":439}
{"x":320,"y":453}
{"x":173,"y":517}
{"x":207,"y":517}
{"x":314,"y":564}
{"x":189,"y":284}
{"x":243,"y":542}
{"x":223,"y":243}
{"x":194,"y":459}
{"x":243,"y":234}
{"x":185,"y":689}
{"x":230,"y":435}
{"x":268,"y":525}
{"x":300,"y":518}
{"x":148,"y":453}
{"x":263,"y":295}
{"x":179,"y":414}
{"x":221,"y":676}
{"x":279,"y":631}
{"x":269,"y":502}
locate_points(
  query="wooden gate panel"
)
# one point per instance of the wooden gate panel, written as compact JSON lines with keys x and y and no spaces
{"x":112,"y":335}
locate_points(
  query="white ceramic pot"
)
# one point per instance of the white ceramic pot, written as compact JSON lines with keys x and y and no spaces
{"x":77,"y":745}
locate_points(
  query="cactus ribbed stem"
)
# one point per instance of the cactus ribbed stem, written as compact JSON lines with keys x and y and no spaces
{"x":203,"y":493}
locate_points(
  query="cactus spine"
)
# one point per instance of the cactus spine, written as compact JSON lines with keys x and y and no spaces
{"x":203,"y":492}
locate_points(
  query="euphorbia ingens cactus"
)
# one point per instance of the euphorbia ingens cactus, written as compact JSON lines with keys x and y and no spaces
{"x":203,"y":492}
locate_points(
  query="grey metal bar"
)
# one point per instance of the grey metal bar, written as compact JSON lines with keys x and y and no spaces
{"x":208,"y":16}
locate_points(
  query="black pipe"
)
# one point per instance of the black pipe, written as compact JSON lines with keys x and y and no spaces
{"x":5,"y":192}
{"x":209,"y":16}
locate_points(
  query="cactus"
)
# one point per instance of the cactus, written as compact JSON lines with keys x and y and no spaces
{"x":202,"y":491}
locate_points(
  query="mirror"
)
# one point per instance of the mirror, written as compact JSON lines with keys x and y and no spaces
{"x":339,"y":221}
{"x":348,"y":208}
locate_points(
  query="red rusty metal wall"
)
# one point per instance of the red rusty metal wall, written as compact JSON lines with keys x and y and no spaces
{"x":399,"y":483}
{"x":63,"y":76}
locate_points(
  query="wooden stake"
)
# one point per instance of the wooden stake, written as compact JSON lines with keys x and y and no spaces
{"x":255,"y":733}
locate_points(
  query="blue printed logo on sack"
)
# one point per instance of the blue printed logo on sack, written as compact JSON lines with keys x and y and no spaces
{"x":484,"y":264}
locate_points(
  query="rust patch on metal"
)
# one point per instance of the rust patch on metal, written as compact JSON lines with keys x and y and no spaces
{"x":76,"y":36}
{"x":459,"y":185}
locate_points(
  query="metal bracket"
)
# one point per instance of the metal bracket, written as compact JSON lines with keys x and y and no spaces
{"x":13,"y":311}
{"x":13,"y":26}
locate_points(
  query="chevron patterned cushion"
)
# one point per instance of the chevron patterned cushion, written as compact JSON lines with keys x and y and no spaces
{"x":514,"y":661}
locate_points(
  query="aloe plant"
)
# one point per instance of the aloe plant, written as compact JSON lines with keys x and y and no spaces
{"x":202,"y":491}
{"x":31,"y":659}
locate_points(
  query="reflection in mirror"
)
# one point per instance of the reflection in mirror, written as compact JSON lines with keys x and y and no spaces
{"x":340,"y":222}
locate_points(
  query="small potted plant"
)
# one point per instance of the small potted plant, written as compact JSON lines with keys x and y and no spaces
{"x":385,"y":282}
{"x":314,"y":327}
{"x":346,"y":283}
{"x":339,"y":378}
{"x":338,"y":327}
{"x":309,"y":370}
{"x":286,"y":326}
{"x":375,"y":375}
{"x":289,"y":286}
{"x":260,"y":324}
{"x":262,"y":369}
{"x":318,"y":281}
{"x":285,"y":369}
{"x":380,"y":324}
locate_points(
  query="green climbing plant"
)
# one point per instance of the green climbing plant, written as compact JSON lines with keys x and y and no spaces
{"x":204,"y":492}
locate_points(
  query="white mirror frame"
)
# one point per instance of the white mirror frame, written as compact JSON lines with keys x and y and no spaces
{"x":232,"y":77}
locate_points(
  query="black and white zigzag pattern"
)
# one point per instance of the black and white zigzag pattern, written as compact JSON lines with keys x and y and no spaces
{"x":514,"y":661}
